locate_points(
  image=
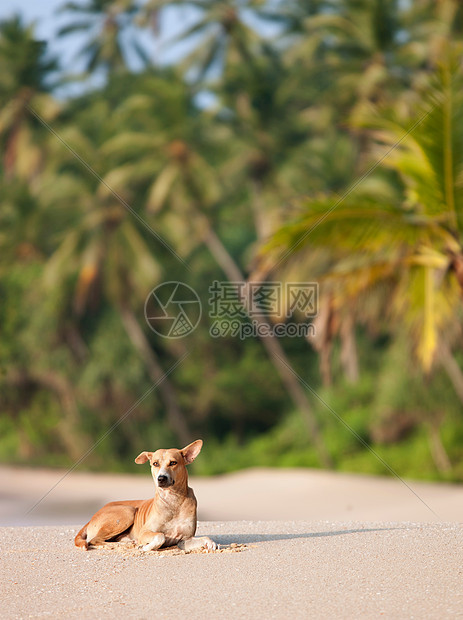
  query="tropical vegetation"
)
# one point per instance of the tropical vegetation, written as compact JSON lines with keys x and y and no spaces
{"x":289,"y":142}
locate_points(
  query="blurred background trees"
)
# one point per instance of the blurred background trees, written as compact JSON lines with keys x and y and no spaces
{"x":317,"y":141}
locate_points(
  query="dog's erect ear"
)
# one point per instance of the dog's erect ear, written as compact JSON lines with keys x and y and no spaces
{"x":143,"y":457}
{"x":191,"y":451}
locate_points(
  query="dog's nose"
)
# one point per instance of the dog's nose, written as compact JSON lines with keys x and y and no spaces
{"x":162,"y":480}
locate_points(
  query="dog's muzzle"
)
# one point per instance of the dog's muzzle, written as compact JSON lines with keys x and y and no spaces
{"x":164,"y":481}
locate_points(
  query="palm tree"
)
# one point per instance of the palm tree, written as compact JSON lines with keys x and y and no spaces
{"x":106,"y":22}
{"x":186,"y":182}
{"x":362,"y":51}
{"x":393,"y":254}
{"x":273,"y":161}
{"x":381,"y":251}
{"x":221,"y":34}
{"x":25,"y":72}
{"x":103,"y":255}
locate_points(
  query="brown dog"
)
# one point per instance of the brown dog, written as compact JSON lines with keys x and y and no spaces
{"x":167,"y":519}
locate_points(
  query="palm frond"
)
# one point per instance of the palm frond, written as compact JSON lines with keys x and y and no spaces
{"x":75,"y":27}
{"x":161,"y":187}
{"x":127,"y":144}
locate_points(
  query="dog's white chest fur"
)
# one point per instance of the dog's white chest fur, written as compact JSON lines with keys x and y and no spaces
{"x":175,"y":529}
{"x":176,"y":520}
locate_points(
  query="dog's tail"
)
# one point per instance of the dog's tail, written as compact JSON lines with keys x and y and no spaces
{"x":81,"y":539}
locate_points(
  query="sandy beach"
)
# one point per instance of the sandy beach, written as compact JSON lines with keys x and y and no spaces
{"x":305,"y":544}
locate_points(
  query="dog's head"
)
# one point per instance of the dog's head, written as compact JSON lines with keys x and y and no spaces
{"x":168,"y":467}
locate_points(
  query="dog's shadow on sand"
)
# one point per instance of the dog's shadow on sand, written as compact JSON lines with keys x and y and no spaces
{"x":244,"y":539}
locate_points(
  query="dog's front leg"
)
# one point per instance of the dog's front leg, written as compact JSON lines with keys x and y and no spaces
{"x":150,"y":541}
{"x":199,"y":542}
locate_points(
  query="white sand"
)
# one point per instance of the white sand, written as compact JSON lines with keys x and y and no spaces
{"x":264,"y":494}
{"x":289,"y":570}
{"x":318,"y":545}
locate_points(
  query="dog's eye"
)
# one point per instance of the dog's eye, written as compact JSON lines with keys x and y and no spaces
{"x":172,"y":463}
{"x":155,"y":464}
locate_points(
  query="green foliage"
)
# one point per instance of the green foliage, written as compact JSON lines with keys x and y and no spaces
{"x":288,"y":444}
{"x":407,"y":239}
{"x":331,"y":153}
{"x":23,"y":59}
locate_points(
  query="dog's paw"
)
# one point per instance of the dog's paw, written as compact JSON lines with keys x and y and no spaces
{"x":200,"y":542}
{"x":156,"y":541}
{"x":209,"y":544}
{"x":148,"y":547}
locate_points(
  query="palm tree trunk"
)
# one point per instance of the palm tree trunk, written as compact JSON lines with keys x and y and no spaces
{"x":274,"y":349}
{"x":438,"y":452}
{"x":325,"y":364}
{"x":261,"y":219}
{"x":452,"y":369}
{"x":137,"y":336}
{"x":322,"y":339}
{"x":349,"y":357}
